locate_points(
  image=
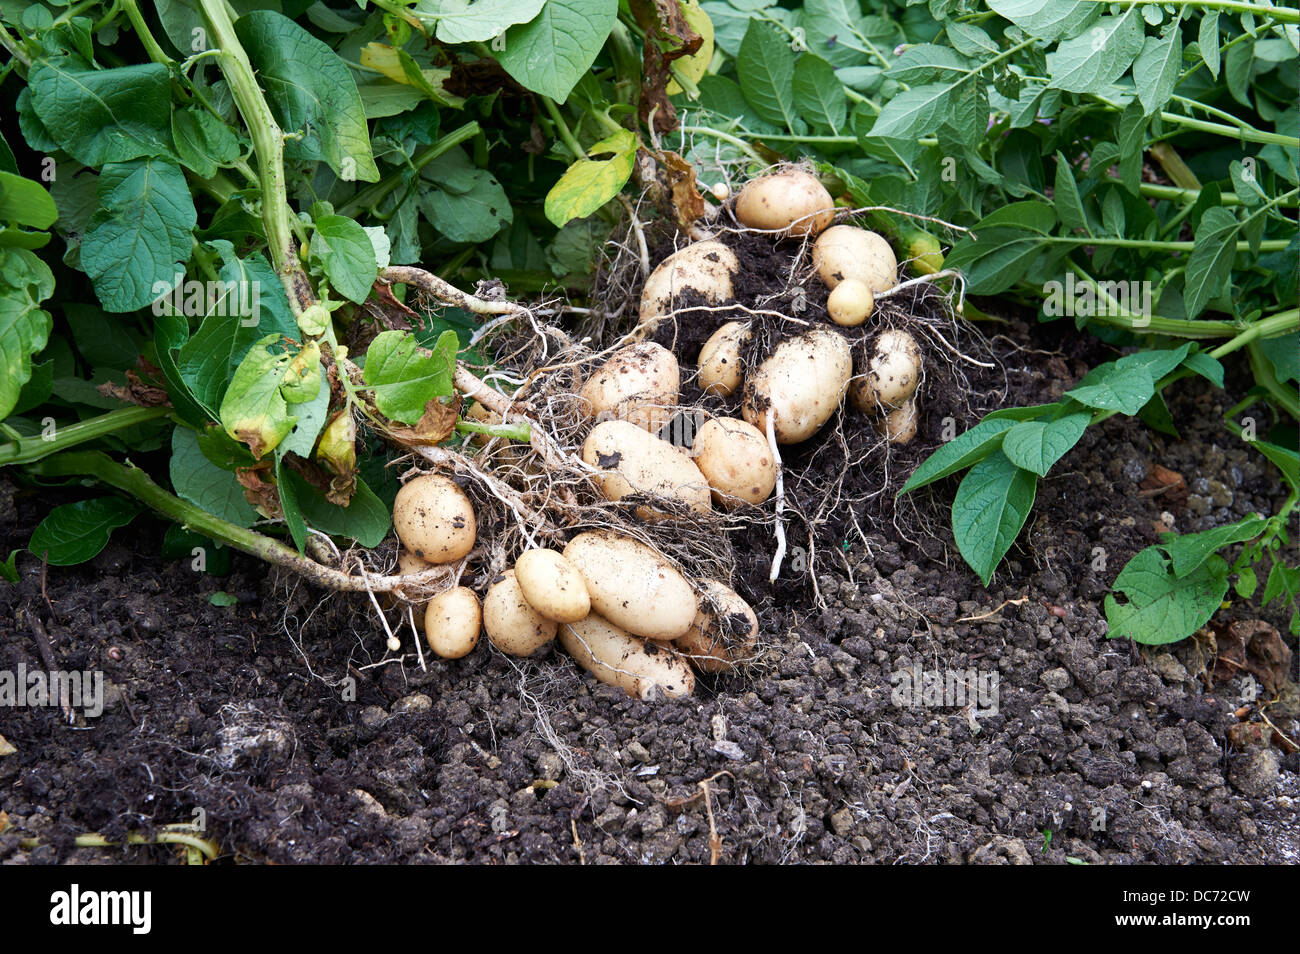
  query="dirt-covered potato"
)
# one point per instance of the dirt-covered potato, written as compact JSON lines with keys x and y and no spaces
{"x":899,"y":425}
{"x":802,"y":382}
{"x":434,"y":519}
{"x":703,"y":267}
{"x":793,"y":203}
{"x":725,"y":630}
{"x":451,"y":622}
{"x":631,"y":585}
{"x":892,"y":375}
{"x":552,"y":585}
{"x":638,"y":667}
{"x":638,"y":384}
{"x":719,"y":361}
{"x":846,"y":251}
{"x":736,"y":460}
{"x":632,"y":461}
{"x":850,"y":303}
{"x":512,"y":624}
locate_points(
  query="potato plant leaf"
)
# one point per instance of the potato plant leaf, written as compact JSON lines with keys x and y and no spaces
{"x":73,"y":533}
{"x":404,"y":377}
{"x":589,"y":183}
{"x":204,"y":484}
{"x":1161,"y":607}
{"x":1037,"y":445}
{"x":25,"y":281}
{"x":550,"y":53}
{"x":990,"y":507}
{"x":102,"y":116}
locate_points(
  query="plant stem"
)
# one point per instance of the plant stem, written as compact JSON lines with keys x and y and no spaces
{"x":372,"y":194}
{"x":145,"y":35}
{"x":1281,"y":14}
{"x":1269,"y":245}
{"x":28,"y":449}
{"x":562,"y":128}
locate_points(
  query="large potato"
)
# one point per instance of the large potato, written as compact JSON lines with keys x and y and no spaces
{"x":792,"y":203}
{"x":631,"y":585}
{"x":434,"y":519}
{"x":846,"y":251}
{"x":451,"y":622}
{"x":892,"y":375}
{"x":802,"y":382}
{"x":736,"y":460}
{"x":510,"y":620}
{"x":719,"y":361}
{"x":638,"y":384}
{"x":634,"y":462}
{"x":614,"y":656}
{"x":725,"y":630}
{"x":704,"y":267}
{"x":552,"y":585}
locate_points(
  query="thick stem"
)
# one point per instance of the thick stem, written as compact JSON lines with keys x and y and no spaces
{"x":28,"y":449}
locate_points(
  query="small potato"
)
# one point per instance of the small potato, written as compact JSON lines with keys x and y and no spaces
{"x":802,"y":382}
{"x":632,"y":586}
{"x":850,"y":303}
{"x":512,"y":624}
{"x":434,"y":519}
{"x":736,"y":460}
{"x":899,"y":425}
{"x":638,"y":667}
{"x":451,"y":622}
{"x":892,"y":376}
{"x":725,"y":630}
{"x":639,"y":384}
{"x":552,"y":585}
{"x":792,"y":203}
{"x":846,"y":251}
{"x":719,"y":361}
{"x":704,"y":267}
{"x":634,"y":462}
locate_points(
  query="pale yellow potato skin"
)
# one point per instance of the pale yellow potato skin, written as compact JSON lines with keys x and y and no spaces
{"x":434,"y":519}
{"x":892,"y":376}
{"x":634,"y":461}
{"x":452,"y":621}
{"x":803,"y":382}
{"x":846,"y":251}
{"x":614,"y":656}
{"x":899,"y":425}
{"x":850,"y":303}
{"x":736,"y":460}
{"x":638,"y":384}
{"x":719,"y":360}
{"x":706,"y":267}
{"x":792,"y":203}
{"x":632,"y":586}
{"x":511,"y":623}
{"x":552,"y":585}
{"x":716,"y":641}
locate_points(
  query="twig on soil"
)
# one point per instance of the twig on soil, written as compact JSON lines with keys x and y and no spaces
{"x":994,"y":611}
{"x":431,"y":284}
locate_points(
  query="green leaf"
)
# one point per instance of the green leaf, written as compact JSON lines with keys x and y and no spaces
{"x":365,"y":519}
{"x":1113,"y":388}
{"x":818,"y":95}
{"x":1207,"y":38}
{"x":1189,"y":550}
{"x":25,"y":202}
{"x":1284,"y":459}
{"x":9,"y":568}
{"x":25,"y":282}
{"x":473,"y":21}
{"x":1155,"y":415}
{"x":959,"y":453}
{"x":311,"y":91}
{"x":204,"y":484}
{"x":469,"y":204}
{"x":1246,"y":583}
{"x":1206,"y":366}
{"x":345,"y":252}
{"x":170,"y":333}
{"x":917,"y":111}
{"x":837,"y":31}
{"x":589,"y":183}
{"x":1283,"y":353}
{"x":1048,"y":19}
{"x":1161,"y":607}
{"x":141,"y":238}
{"x":222,"y":598}
{"x":996,"y":258}
{"x":1155,"y":71}
{"x":73,"y":533}
{"x":405,"y":377}
{"x":765,"y":68}
{"x":1283,"y":584}
{"x":990,"y":507}
{"x":1209,"y":268}
{"x":1090,"y":62}
{"x":1032,"y":215}
{"x":311,"y":419}
{"x":105,"y":341}
{"x":203,"y":142}
{"x":1068,"y":203}
{"x":1037,"y":445}
{"x":1157,"y":362}
{"x":552,"y":52}
{"x":287,"y":487}
{"x":99,"y":116}
{"x":253,"y":410}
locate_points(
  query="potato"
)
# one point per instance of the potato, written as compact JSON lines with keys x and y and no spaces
{"x":725,"y":630}
{"x":803,"y":382}
{"x":511,"y":623}
{"x":614,"y":656}
{"x":434,"y":519}
{"x":451,"y":622}
{"x":552,"y":585}
{"x":892,"y":375}
{"x":704,"y":267}
{"x":736,"y":460}
{"x":850,"y":303}
{"x":719,"y":361}
{"x":846,"y":251}
{"x":631,"y":585}
{"x":638,"y":384}
{"x":792,"y":203}
{"x":634,"y":462}
{"x":899,"y":425}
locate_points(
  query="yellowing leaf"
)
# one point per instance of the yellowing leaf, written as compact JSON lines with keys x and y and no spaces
{"x":398,"y":66}
{"x":694,"y":67}
{"x":590,"y":183}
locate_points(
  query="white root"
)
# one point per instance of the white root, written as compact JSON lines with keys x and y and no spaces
{"x":415,"y":631}
{"x":779,"y":555}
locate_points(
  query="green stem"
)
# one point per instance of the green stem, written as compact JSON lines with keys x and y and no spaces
{"x":15,"y":48}
{"x":142,"y":31}
{"x":1284,"y":397}
{"x":371,"y":195}
{"x":1269,"y":245}
{"x":562,"y":128}
{"x":28,"y":449}
{"x":1281,"y":14}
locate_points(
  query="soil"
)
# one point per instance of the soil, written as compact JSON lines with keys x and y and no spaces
{"x":272,"y":717}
